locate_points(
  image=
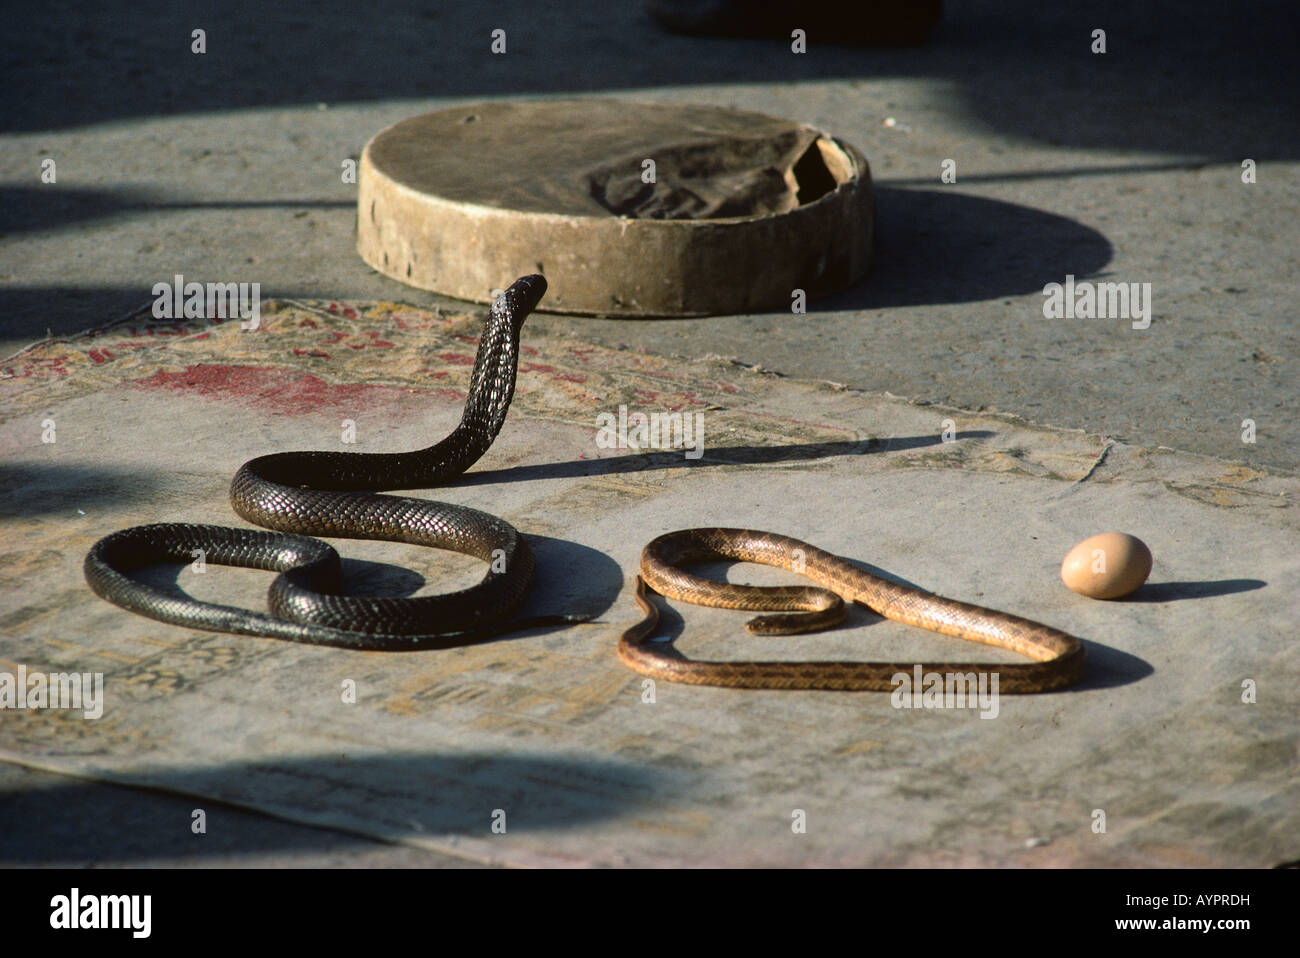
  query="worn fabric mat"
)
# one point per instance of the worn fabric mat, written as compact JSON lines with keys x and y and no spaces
{"x":1179,"y":749}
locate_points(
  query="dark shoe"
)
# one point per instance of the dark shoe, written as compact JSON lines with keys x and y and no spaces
{"x":886,"y":23}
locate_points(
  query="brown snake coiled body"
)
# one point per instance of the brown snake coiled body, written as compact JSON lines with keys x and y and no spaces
{"x":1058,"y":657}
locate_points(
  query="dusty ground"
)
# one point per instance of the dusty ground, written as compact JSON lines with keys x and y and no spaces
{"x":1125,"y":166}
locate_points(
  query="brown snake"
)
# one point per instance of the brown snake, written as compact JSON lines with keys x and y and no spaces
{"x":1058,"y":657}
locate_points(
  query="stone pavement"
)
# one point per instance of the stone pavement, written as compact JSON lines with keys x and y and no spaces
{"x":1122,"y":167}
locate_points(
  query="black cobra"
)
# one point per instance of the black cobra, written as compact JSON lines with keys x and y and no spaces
{"x":321,"y":494}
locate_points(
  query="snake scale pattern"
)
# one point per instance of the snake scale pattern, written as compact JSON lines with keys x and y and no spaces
{"x":302,"y":494}
{"x":1058,"y":657}
{"x":297,"y":495}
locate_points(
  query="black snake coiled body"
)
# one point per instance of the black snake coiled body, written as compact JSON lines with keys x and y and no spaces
{"x":301,"y":494}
